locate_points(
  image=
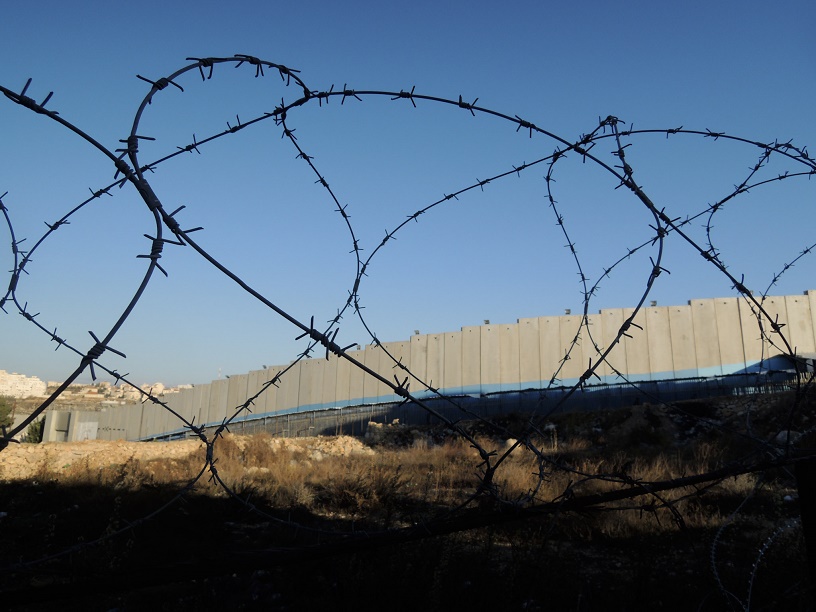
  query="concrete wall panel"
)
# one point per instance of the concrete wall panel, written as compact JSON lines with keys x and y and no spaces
{"x":419,"y":363}
{"x":529,"y":353}
{"x":173,"y":401}
{"x":103,"y":432}
{"x":800,"y":324}
{"x":165,"y":420}
{"x":637,"y":346}
{"x":255,"y":381}
{"x":435,"y":361}
{"x":217,"y":409}
{"x":188,"y":405}
{"x":729,"y":331}
{"x":751,"y":338}
{"x":117,"y":424}
{"x":550,"y":350}
{"x":376,"y":360}
{"x":371,"y":360}
{"x":107,"y":419}
{"x":157,"y":421}
{"x":328,"y":391}
{"x":145,"y":427}
{"x":237,"y":396}
{"x":593,"y":341}
{"x":400,"y":353}
{"x":83,"y":426}
{"x":289,"y":390}
{"x":509,"y":357}
{"x":169,"y":421}
{"x":611,"y":322}
{"x":811,"y":295}
{"x":778,"y":312}
{"x":453,"y":363}
{"x":130,"y":416}
{"x":72,"y":425}
{"x":272,"y":398}
{"x":124,"y":422}
{"x":343,"y":382}
{"x":55,"y":428}
{"x":267,"y":400}
{"x":356,"y":379}
{"x":103,"y":420}
{"x":311,"y":383}
{"x":574,"y":365}
{"x":706,"y":338}
{"x":151,"y":414}
{"x":321,"y":366}
{"x":490,"y":358}
{"x":201,"y":403}
{"x":471,"y":359}
{"x":106,"y":423}
{"x":684,"y":355}
{"x":658,"y":332}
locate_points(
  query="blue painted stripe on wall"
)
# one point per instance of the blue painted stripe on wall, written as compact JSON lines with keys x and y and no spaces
{"x":733,"y":368}
{"x":476,"y":390}
{"x":709,"y":372}
{"x":689,"y":373}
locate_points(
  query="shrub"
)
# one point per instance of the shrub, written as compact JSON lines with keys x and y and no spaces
{"x":34,"y":433}
{"x":6,"y":406}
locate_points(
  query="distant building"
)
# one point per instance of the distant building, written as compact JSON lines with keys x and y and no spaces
{"x":156,"y":389}
{"x":20,"y":386}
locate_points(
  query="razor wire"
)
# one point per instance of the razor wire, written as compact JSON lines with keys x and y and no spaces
{"x":169,"y":232}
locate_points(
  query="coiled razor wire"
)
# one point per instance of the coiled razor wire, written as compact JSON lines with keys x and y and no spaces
{"x":611,"y":132}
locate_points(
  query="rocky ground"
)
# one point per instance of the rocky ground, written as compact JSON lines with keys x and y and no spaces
{"x":26,"y":461}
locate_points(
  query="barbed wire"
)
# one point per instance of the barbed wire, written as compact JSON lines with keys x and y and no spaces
{"x":412,"y":389}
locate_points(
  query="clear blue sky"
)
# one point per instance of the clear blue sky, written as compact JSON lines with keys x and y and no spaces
{"x":747,"y":68}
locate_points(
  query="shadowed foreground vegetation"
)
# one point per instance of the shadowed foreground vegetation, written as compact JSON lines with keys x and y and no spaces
{"x":77,"y":535}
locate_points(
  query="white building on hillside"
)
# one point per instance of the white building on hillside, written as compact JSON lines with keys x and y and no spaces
{"x":20,"y":386}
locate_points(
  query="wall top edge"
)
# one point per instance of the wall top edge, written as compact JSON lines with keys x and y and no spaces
{"x":419,"y":338}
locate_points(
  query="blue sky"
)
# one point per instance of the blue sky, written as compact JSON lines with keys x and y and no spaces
{"x":745,"y":68}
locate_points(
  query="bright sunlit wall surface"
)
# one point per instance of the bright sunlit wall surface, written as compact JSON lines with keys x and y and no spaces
{"x":702,"y":339}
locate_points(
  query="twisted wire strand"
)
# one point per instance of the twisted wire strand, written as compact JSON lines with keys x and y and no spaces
{"x":131,"y":171}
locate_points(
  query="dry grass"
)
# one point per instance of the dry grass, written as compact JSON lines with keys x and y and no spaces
{"x":394,"y":486}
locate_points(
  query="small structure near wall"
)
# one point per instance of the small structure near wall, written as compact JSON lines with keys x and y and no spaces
{"x":70,"y":426}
